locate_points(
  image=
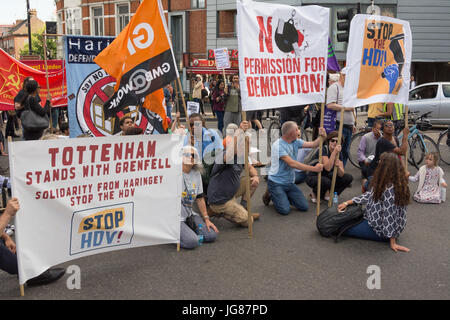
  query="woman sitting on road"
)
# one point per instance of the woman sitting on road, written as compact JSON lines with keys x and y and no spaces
{"x":331,"y":157}
{"x":193,"y":191}
{"x":385,"y":214}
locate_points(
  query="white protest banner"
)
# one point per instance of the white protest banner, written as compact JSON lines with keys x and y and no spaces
{"x":222,"y":58}
{"x":80,"y":197}
{"x":193,"y":107}
{"x":283,"y":53}
{"x":378,"y":61}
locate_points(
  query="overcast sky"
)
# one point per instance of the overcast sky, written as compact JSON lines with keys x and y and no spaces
{"x":12,"y":10}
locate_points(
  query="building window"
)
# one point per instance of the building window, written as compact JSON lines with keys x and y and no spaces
{"x":226,"y":24}
{"x":97,"y":21}
{"x":198,"y":4}
{"x":73,"y":21}
{"x":123,"y":16}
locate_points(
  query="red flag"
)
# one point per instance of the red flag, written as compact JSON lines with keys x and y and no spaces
{"x":12,"y":74}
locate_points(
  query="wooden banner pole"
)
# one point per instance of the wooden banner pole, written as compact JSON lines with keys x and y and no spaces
{"x":21,"y":286}
{"x":46,"y":76}
{"x":248,"y":194}
{"x":333,"y":181}
{"x":319,"y":177}
{"x":184,"y":105}
{"x":406,"y":126}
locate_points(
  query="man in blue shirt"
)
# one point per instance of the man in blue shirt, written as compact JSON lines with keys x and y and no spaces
{"x":281,"y":183}
{"x":209,"y":139}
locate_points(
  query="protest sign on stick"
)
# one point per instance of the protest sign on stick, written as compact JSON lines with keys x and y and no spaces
{"x":283,"y":53}
{"x":378,"y":61}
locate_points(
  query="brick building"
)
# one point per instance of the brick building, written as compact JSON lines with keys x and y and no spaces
{"x":186,"y":20}
{"x":13,"y":38}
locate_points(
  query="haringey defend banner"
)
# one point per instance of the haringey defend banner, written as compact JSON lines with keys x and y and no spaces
{"x":89,"y":87}
{"x":283,"y":53}
{"x":378,"y":61}
{"x":12,"y":74}
{"x":140,"y":58}
{"x":79,"y":197}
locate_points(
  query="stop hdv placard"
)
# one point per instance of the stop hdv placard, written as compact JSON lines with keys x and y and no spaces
{"x":80,"y":197}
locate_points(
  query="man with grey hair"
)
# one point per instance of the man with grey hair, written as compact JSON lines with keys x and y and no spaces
{"x":281,"y":183}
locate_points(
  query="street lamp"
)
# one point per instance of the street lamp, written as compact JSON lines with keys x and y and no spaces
{"x":29,"y":27}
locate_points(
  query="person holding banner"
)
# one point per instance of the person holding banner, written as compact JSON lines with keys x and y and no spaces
{"x":233,"y":106}
{"x":226,"y":185}
{"x":332,"y":157}
{"x":335,"y":94}
{"x":193,"y":192}
{"x":282,"y":189}
{"x":8,"y":258}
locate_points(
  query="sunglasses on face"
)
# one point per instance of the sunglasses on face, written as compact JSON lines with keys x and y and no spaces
{"x":334,"y":140}
{"x":389,"y":125}
{"x":189,"y":155}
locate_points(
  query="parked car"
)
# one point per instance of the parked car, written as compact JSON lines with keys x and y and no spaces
{"x":435,"y":97}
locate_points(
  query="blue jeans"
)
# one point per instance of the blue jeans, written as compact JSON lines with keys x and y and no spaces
{"x":55,"y":117}
{"x":346,"y":136}
{"x":300,"y":176}
{"x":283,"y":195}
{"x":220,"y":115}
{"x":364,"y":231}
{"x":189,"y":239}
{"x":8,"y":260}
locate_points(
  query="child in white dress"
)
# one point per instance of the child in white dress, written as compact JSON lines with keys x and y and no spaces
{"x":431,"y":181}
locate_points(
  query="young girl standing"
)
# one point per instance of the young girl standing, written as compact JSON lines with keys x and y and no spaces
{"x":431,"y":181}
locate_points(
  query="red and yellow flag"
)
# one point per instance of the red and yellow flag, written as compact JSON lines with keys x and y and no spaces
{"x":12,"y":74}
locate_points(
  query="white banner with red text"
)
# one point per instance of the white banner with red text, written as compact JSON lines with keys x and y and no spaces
{"x":80,"y":197}
{"x":283,"y":54}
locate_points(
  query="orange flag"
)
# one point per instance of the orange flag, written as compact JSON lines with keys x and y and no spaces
{"x":142,"y":61}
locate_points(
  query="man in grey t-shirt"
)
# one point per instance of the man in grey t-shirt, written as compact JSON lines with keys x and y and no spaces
{"x":335,"y":94}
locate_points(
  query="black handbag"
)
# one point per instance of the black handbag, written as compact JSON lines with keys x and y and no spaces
{"x":332,"y":223}
{"x":33,"y":121}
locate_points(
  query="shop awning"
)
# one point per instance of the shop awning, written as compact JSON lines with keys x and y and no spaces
{"x":212,"y":70}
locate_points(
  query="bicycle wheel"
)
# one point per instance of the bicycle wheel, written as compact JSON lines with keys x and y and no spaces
{"x":420,"y":147}
{"x":273,"y":133}
{"x":444,"y":149}
{"x":353,"y":152}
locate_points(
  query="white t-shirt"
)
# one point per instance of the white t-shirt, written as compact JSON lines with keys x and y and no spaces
{"x":335,"y":94}
{"x":192,"y":186}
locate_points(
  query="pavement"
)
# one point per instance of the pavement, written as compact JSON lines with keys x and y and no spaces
{"x":285,"y":259}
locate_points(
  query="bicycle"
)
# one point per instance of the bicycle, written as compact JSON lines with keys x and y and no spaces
{"x":444,"y":147}
{"x":354,"y":144}
{"x":274,"y":130}
{"x":419,"y":143}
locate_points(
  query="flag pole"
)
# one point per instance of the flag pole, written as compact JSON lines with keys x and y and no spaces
{"x":333,"y":181}
{"x":406,"y":126}
{"x":180,"y":91}
{"x":46,"y":76}
{"x":319,"y":177}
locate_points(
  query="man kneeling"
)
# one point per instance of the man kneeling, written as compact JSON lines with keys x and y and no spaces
{"x":226,"y":185}
{"x":282,"y":189}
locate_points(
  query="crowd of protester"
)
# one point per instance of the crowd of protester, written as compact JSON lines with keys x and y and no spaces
{"x":213,"y":178}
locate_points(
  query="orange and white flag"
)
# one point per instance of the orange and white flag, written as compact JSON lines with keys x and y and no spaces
{"x":140,"y":58}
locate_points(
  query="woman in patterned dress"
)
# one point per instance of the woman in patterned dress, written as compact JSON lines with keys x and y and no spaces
{"x":386,"y":201}
{"x":431,"y":179}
